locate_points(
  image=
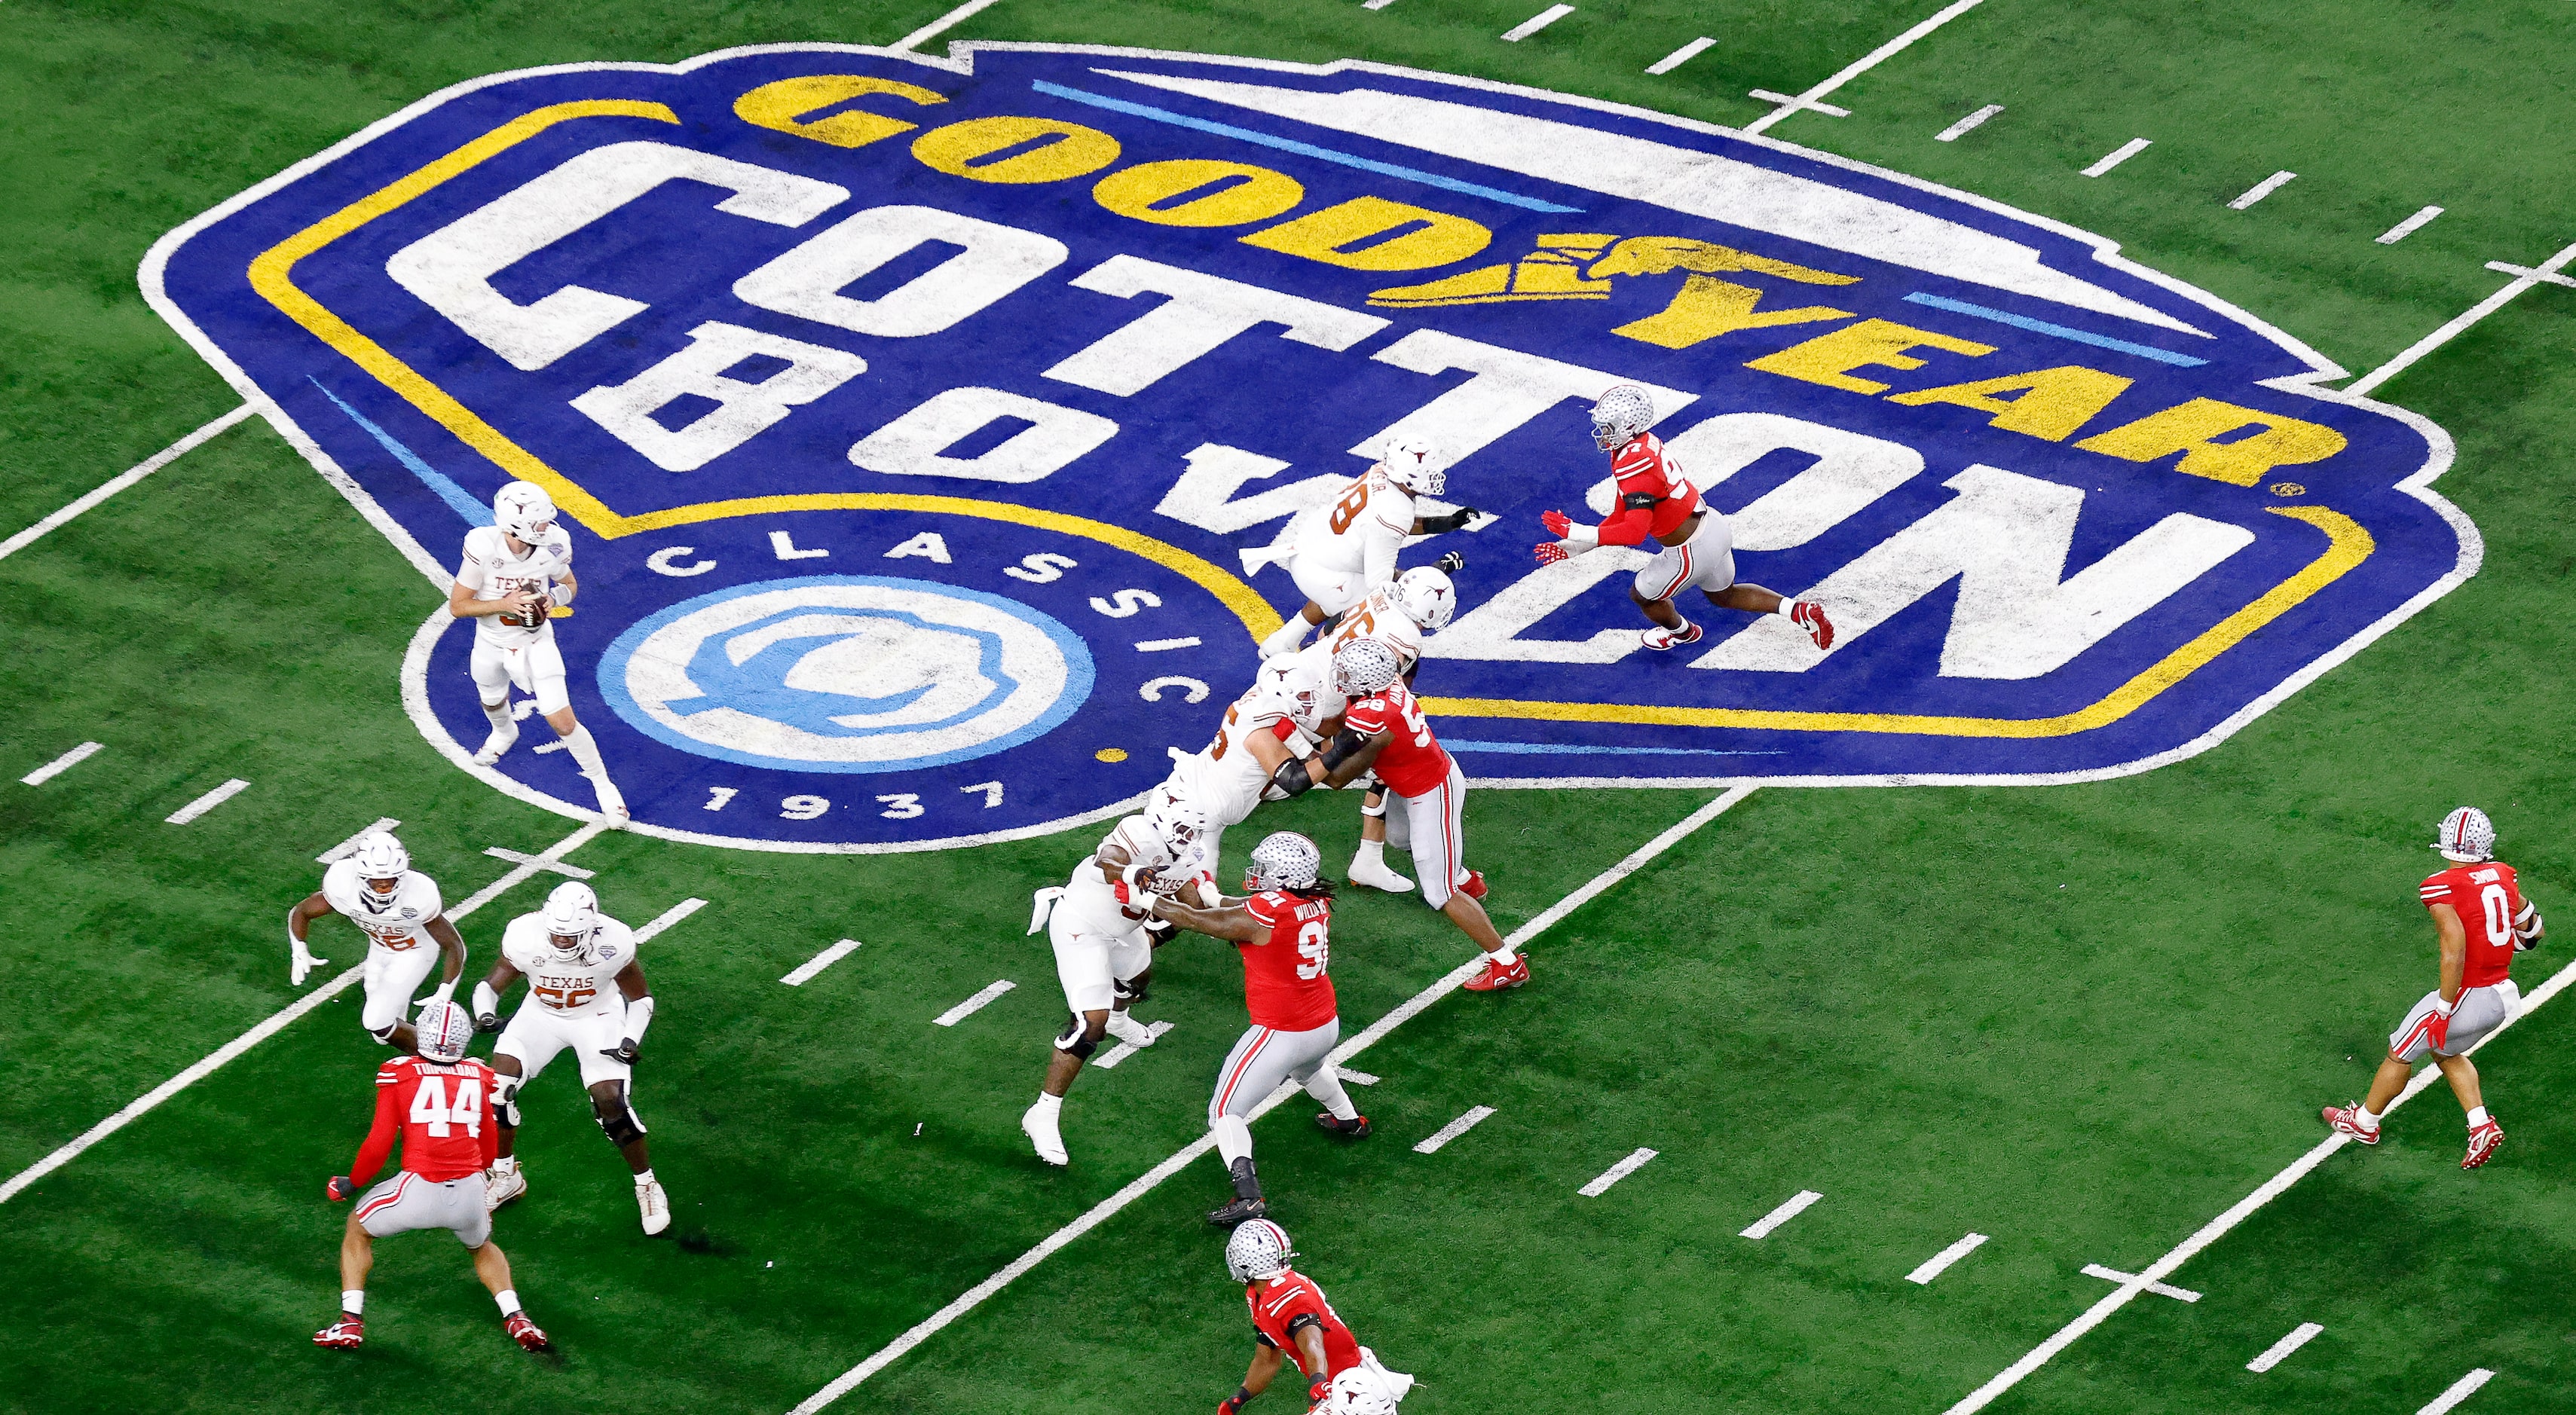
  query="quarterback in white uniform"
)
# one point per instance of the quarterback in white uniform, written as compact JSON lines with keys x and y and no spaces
{"x":1344,"y":550}
{"x":1096,"y":922}
{"x":399,"y":910}
{"x":586,"y":992}
{"x":515,"y":572}
{"x":1419,"y":602}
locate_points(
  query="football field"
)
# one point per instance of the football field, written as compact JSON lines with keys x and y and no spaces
{"x":1958,"y":1096}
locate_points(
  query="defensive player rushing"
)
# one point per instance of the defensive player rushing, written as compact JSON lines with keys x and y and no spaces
{"x":2482,"y":920}
{"x":1694,"y":547}
{"x":1420,"y":602}
{"x":1383,"y":730}
{"x":516,"y":571}
{"x":1291,"y":1321}
{"x":1096,"y":922}
{"x":1284,"y":931}
{"x":398,"y":909}
{"x":1347,"y":549}
{"x":437,"y":1102}
{"x":586,"y":991}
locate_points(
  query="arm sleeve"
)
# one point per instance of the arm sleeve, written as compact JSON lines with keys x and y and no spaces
{"x":491,"y":1122}
{"x":380,"y":1139}
{"x":1627,"y":527}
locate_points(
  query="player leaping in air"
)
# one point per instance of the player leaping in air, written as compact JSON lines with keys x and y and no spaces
{"x":1347,"y":549}
{"x":1694,"y":547}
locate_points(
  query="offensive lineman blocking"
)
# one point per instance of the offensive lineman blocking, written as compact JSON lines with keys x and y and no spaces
{"x":398,"y":909}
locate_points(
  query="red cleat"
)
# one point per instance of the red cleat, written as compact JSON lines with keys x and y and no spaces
{"x":2341,"y":1117}
{"x":1810,"y":616}
{"x":1496,"y":977}
{"x":1356,"y":1128}
{"x":1660,"y":638}
{"x":525,"y":1333}
{"x":347,"y":1334}
{"x":1474,"y":885}
{"x":2482,"y":1145}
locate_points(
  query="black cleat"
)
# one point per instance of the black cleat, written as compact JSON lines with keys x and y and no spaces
{"x":1354,"y":1129}
{"x":1240,"y":1211}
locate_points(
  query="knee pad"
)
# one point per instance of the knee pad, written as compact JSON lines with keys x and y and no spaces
{"x":1077,"y":1042}
{"x":1373,"y":804}
{"x":1131,"y":990}
{"x":618,"y":1120}
{"x":505,"y":1098}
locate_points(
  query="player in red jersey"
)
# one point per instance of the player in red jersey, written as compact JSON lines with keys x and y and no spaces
{"x":1291,"y":1321}
{"x":439,"y":1102}
{"x":1694,"y":545}
{"x":1383,"y":729}
{"x":1285,"y":933}
{"x":2483,"y":920}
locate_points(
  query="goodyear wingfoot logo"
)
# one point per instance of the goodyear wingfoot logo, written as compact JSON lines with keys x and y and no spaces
{"x":930,"y":429}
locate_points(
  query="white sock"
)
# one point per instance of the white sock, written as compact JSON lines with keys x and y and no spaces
{"x":643,"y":1177}
{"x":501,"y":721}
{"x":2477,"y":1117}
{"x":1233,"y":1138}
{"x":1049,"y":1105}
{"x":1788,"y":608}
{"x":585,"y":751}
{"x":1505,"y":955}
{"x":2362,"y":1117}
{"x":509,"y":1299}
{"x":354,"y":1301}
{"x":1286,"y":637}
{"x":506,"y":1164}
{"x":1326,"y":1086}
{"x":1372,"y":852}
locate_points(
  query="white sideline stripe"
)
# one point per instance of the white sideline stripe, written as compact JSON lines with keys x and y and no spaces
{"x":2217,"y":1228}
{"x":2408,"y":227}
{"x":955,"y":17}
{"x":1356,"y":1078}
{"x":349,"y":847}
{"x":1145,"y":1183}
{"x":2456,"y":327}
{"x":2505,"y":268}
{"x":1124,"y":1050}
{"x":1866,"y":62}
{"x":1967,"y":125}
{"x":1535,"y":23}
{"x":972,"y":1005}
{"x":806,"y":971}
{"x":2179,"y":1294}
{"x":207,"y":802}
{"x":1635,"y":1161}
{"x":559,"y":867}
{"x":1475,"y":1116}
{"x":1939,"y":1262}
{"x":2121,"y":154}
{"x":1681,"y":56}
{"x":122,"y":480}
{"x":2460,"y":1390}
{"x":2279,"y":1351}
{"x":667,"y":918}
{"x":1765,"y":1225}
{"x":1165,"y":645}
{"x":60,"y":764}
{"x":275,"y":1023}
{"x":2263,"y":189}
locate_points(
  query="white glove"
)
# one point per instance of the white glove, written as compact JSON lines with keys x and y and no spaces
{"x":444,"y":992}
{"x":300,"y":960}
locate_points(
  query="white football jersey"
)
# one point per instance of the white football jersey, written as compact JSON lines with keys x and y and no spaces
{"x":1378,"y":617}
{"x":398,"y":922}
{"x":1360,"y":530}
{"x":492,"y":572}
{"x":575,"y":989}
{"x":1224,"y":778}
{"x":1090,"y":904}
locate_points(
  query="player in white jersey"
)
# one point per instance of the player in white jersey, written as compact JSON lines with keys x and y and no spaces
{"x":398,"y":909}
{"x":586,"y":992}
{"x":1397,"y":615}
{"x":1096,"y":923}
{"x":1288,"y":710}
{"x":1347,"y":549}
{"x":515,"y":572}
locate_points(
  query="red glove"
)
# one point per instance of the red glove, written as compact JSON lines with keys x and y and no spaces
{"x":1556,"y":523}
{"x":1318,"y":1387}
{"x":1549,"y":552}
{"x":2441,"y":1029}
{"x":339,"y":1188}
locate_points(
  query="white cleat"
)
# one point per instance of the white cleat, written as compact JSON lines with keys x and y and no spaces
{"x":654,"y":1205}
{"x":612,"y":804}
{"x":500,"y":741}
{"x":1041,"y":1129}
{"x":1373,"y":874}
{"x":1127,"y":1029}
{"x":503,"y":1187}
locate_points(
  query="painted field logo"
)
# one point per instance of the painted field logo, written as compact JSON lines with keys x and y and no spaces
{"x":932,"y":429}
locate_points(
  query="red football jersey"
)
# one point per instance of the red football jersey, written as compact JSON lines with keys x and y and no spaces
{"x":2486,"y":899}
{"x":441,"y":1111}
{"x":1413,"y":763}
{"x":1642,"y":469}
{"x":1292,"y":1301}
{"x":1285,"y":986}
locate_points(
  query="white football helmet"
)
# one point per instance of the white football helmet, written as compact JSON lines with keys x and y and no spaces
{"x":1258,"y":1249}
{"x":1358,"y":1391}
{"x":1413,"y":463}
{"x":525,"y":511}
{"x":1426,"y":597}
{"x":1174,"y":821}
{"x":1362,"y":667}
{"x":2466,"y":836}
{"x":382,"y":862}
{"x":1620,"y":416}
{"x":1284,"y":860}
{"x":571,"y":912}
{"x":443,"y":1030}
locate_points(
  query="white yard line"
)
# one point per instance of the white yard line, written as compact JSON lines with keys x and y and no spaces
{"x":1356,"y":1078}
{"x":2263,"y":189}
{"x":2279,"y":1351}
{"x":948,"y":21}
{"x":2460,"y":1390}
{"x":1764,"y":1226}
{"x":2217,"y":1228}
{"x":2161,"y":1289}
{"x":2408,"y":227}
{"x":1109,"y":1059}
{"x":1865,"y":63}
{"x":275,"y":1023}
{"x":349,"y":847}
{"x":1681,"y":56}
{"x":1940,"y":1262}
{"x":60,"y":764}
{"x":1600,"y":1185}
{"x":1165,"y":645}
{"x":1535,"y":23}
{"x":2508,"y":268}
{"x":1180,"y":1159}
{"x":1474,"y":1117}
{"x":808,"y":970}
{"x":1375,"y":4}
{"x":207,"y":802}
{"x":557,"y":866}
{"x":973,"y":1005}
{"x":1788,"y":101}
{"x":2118,"y":155}
{"x":667,"y":918}
{"x":123,"y":479}
{"x":1967,"y":125}
{"x":2456,"y":327}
